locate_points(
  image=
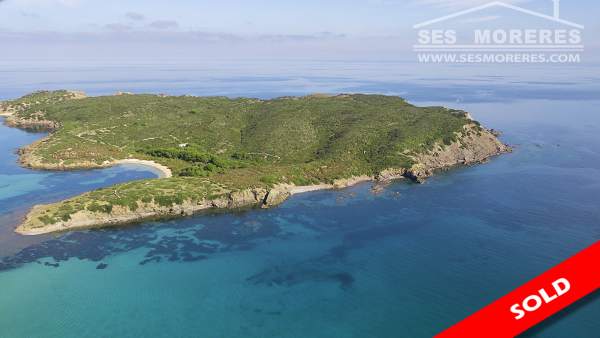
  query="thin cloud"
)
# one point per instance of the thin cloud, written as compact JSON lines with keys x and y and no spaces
{"x":135,"y":16}
{"x":117,"y":27}
{"x":164,"y":24}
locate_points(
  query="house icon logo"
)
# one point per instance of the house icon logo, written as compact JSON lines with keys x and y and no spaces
{"x":551,"y":40}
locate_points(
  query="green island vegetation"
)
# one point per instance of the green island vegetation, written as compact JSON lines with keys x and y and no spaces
{"x":217,"y":145}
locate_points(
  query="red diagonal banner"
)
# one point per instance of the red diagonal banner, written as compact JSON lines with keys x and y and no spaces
{"x":535,"y":301}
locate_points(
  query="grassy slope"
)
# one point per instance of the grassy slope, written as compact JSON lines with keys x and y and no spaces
{"x":252,"y":142}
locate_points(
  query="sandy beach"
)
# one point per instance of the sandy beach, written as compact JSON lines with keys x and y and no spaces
{"x":307,"y":188}
{"x":164,"y":172}
{"x":337,"y":184}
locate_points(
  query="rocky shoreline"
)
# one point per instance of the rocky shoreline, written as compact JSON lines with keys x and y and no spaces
{"x":256,"y":197}
{"x":474,"y":145}
{"x":31,"y":123}
{"x":36,"y":121}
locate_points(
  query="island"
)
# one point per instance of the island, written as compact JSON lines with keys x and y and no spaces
{"x":220,"y":152}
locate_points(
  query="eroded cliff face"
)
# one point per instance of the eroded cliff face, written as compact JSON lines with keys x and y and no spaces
{"x":35,"y":122}
{"x":473,"y":145}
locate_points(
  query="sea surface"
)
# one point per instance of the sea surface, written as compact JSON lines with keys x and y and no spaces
{"x":408,"y":261}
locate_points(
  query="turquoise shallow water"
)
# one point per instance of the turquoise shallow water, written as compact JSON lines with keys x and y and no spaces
{"x":408,"y":261}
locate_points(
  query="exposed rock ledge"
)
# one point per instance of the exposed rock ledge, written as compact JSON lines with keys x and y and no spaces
{"x":31,"y":123}
{"x":36,"y":121}
{"x":474,"y":145}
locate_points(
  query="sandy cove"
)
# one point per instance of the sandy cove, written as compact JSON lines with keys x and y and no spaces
{"x":28,"y":159}
{"x":164,"y":171}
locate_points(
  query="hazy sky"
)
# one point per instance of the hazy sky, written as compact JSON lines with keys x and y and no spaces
{"x":333,"y":28}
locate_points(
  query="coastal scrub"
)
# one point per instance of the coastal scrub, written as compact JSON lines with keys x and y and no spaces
{"x":225,"y":152}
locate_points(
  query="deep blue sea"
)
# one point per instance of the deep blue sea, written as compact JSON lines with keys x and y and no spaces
{"x":406,"y":262}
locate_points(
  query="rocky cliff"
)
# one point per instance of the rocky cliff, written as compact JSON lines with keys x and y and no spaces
{"x":32,"y":123}
{"x":473,"y":145}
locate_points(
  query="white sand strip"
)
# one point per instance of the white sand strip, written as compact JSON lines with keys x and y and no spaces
{"x":164,"y":171}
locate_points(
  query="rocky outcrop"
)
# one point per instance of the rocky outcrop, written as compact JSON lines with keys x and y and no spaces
{"x":14,"y":111}
{"x":11,"y":108}
{"x":391,"y":174}
{"x":276,"y":196}
{"x":33,"y":123}
{"x":36,"y":121}
{"x":473,"y":145}
{"x":244,"y":198}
